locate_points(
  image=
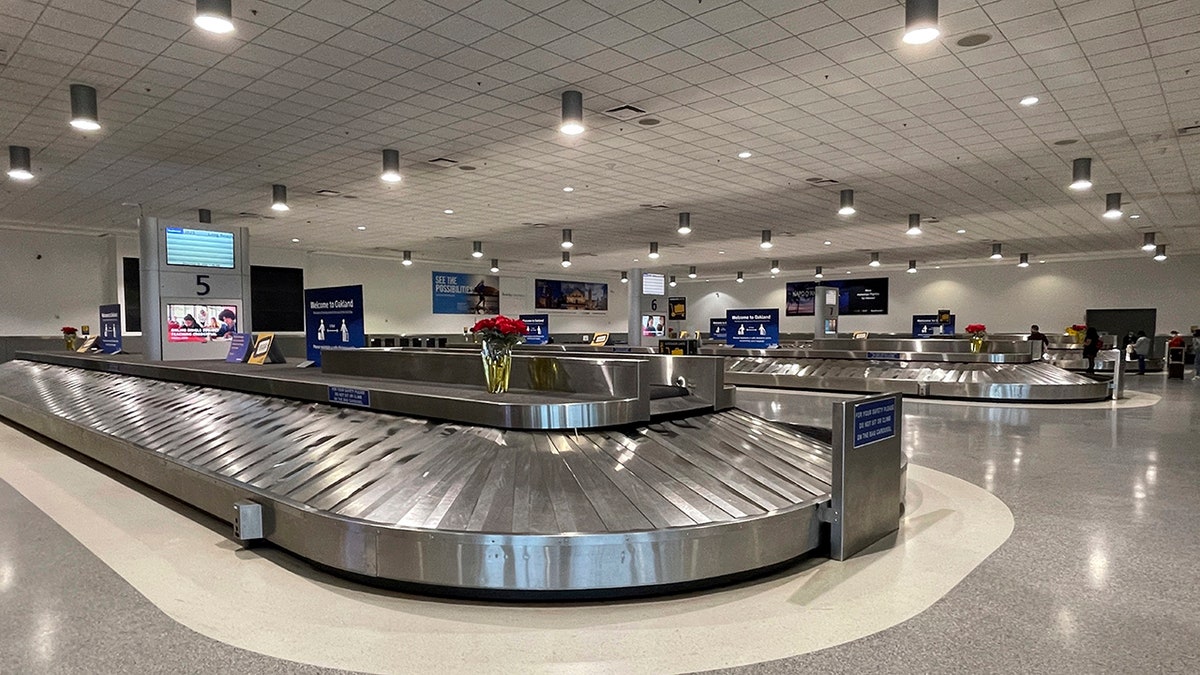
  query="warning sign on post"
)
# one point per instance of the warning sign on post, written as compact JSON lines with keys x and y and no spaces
{"x":874,"y":421}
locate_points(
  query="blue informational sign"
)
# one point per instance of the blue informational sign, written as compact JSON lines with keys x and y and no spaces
{"x":455,"y":293}
{"x":927,"y":325}
{"x":717,"y":329}
{"x":239,"y":347}
{"x":884,"y":356}
{"x":109,"y":340}
{"x":350,"y":396}
{"x":752,"y":328}
{"x":874,"y":421}
{"x":539,"y":328}
{"x":333,"y":319}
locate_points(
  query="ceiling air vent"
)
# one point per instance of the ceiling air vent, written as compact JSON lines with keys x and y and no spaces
{"x":443,"y":162}
{"x":655,"y":207}
{"x":327,"y":193}
{"x":1189,"y":131}
{"x":821,"y":181}
{"x":625,"y":112}
{"x":5,"y":54}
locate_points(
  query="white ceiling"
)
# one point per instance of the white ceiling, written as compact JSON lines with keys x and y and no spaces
{"x":307,"y":93}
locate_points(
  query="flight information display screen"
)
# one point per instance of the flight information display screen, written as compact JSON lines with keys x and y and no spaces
{"x":199,"y":248}
{"x":654,"y":284}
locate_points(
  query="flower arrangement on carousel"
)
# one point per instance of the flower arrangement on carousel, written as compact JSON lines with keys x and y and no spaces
{"x":497,"y":337}
{"x":1077,"y":332}
{"x":978,"y":332}
{"x":69,"y":336}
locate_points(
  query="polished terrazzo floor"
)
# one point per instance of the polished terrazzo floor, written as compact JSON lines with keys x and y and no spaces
{"x":1097,"y":576}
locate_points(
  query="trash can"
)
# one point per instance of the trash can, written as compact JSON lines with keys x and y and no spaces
{"x":1175,"y":363}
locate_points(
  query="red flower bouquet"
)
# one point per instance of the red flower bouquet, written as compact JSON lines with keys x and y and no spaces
{"x":68,"y":330}
{"x":977,"y":330}
{"x":500,"y":328}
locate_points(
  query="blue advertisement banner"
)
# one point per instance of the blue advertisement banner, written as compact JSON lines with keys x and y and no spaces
{"x":333,"y":319}
{"x":109,"y":340}
{"x":717,"y":329}
{"x":874,"y":421}
{"x":574,"y":295}
{"x":455,"y":293}
{"x":239,"y":347}
{"x":539,"y":328}
{"x":927,"y":325}
{"x":752,"y":328}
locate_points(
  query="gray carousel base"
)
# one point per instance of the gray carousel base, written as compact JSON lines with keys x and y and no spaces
{"x":972,"y":381}
{"x":475,"y":509}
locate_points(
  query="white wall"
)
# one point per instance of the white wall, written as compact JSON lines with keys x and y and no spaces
{"x":1002,"y":296}
{"x":48,"y":281}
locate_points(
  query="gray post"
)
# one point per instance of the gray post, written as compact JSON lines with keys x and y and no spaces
{"x":635,"y":307}
{"x":149,"y":265}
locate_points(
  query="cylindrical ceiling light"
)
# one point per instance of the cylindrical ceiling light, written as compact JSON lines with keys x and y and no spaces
{"x":495,"y":265}
{"x":477,"y":249}
{"x":874,"y":260}
{"x":85,"y":112}
{"x":205,"y":216}
{"x":572,"y":113}
{"x":685,"y":223}
{"x":566,"y":261}
{"x":1024,"y":260}
{"x":672,"y":282}
{"x":279,"y":197}
{"x":914,"y":224}
{"x":19,"y":165}
{"x":1112,"y":205}
{"x":820,"y":274}
{"x":912,"y":267}
{"x":391,"y":166}
{"x":740,"y":278}
{"x":1148,"y":241}
{"x":996,"y":252}
{"x":1160,"y":252}
{"x":920,"y":21}
{"x":214,"y":16}
{"x":774,"y":267}
{"x":624,"y":277}
{"x":567,"y":242}
{"x":766,"y":239}
{"x":847,"y":208}
{"x":692,"y":272}
{"x":653,"y":255}
{"x":407,"y":259}
{"x":1081,"y":174}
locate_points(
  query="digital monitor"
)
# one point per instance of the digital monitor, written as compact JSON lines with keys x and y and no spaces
{"x":654,"y":284}
{"x":201,"y":323}
{"x":654,"y":325}
{"x":199,"y":248}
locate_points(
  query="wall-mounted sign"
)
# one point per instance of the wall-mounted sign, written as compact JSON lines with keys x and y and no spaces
{"x":677,"y":309}
{"x":573,"y":295}
{"x":110,"y":329}
{"x":855,"y":296}
{"x":928,"y":325}
{"x":457,"y":293}
{"x":333,"y":319}
{"x":539,"y":328}
{"x":717,"y":329}
{"x":752,"y":328}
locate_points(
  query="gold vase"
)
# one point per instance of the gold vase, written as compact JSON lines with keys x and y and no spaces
{"x":497,"y":365}
{"x":976,"y":345}
{"x":70,"y":341}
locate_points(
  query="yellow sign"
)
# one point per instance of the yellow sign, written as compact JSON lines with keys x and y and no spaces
{"x":262,"y":348}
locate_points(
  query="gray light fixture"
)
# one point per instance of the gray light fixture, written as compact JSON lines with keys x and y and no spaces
{"x":567,"y":242}
{"x":685,"y":223}
{"x":572,"y":113}
{"x":740,"y":278}
{"x":1024,"y":260}
{"x":920,"y":21}
{"x":495,"y":265}
{"x":407,"y":259}
{"x":477,"y":249}
{"x":1148,"y":241}
{"x":624,"y":277}
{"x":766,"y":239}
{"x":1112,"y":205}
{"x":205,"y":216}
{"x":874,"y":260}
{"x":1160,"y":252}
{"x":566,"y":259}
{"x":774,"y":267}
{"x":391,"y":166}
{"x":1081,"y":174}
{"x":653,"y":255}
{"x":912,"y":267}
{"x":996,"y":252}
{"x":819,"y":274}
{"x":279,"y":198}
{"x":214,"y":16}
{"x":847,"y":208}
{"x":914,"y":224}
{"x":19,"y":165}
{"x":672,"y":282}
{"x":692,"y":272}
{"x":85,"y":112}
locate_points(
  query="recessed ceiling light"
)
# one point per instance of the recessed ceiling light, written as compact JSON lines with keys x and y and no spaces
{"x":720,"y":252}
{"x":828,"y":243}
{"x":1041,"y":262}
{"x":295,"y":241}
{"x":360,"y":228}
{"x":745,"y":154}
{"x":448,"y":212}
{"x":960,"y":231}
{"x":937,"y":267}
{"x":568,"y":189}
{"x":1029,"y":100}
{"x":1134,"y":216}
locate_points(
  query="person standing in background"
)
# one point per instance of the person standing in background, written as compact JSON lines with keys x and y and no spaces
{"x":1196,"y":353}
{"x":1141,"y":349}
{"x":1035,"y":333}
{"x":1091,"y":347}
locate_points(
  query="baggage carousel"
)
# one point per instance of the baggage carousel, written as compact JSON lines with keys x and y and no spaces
{"x":594,"y":477}
{"x":935,"y":368}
